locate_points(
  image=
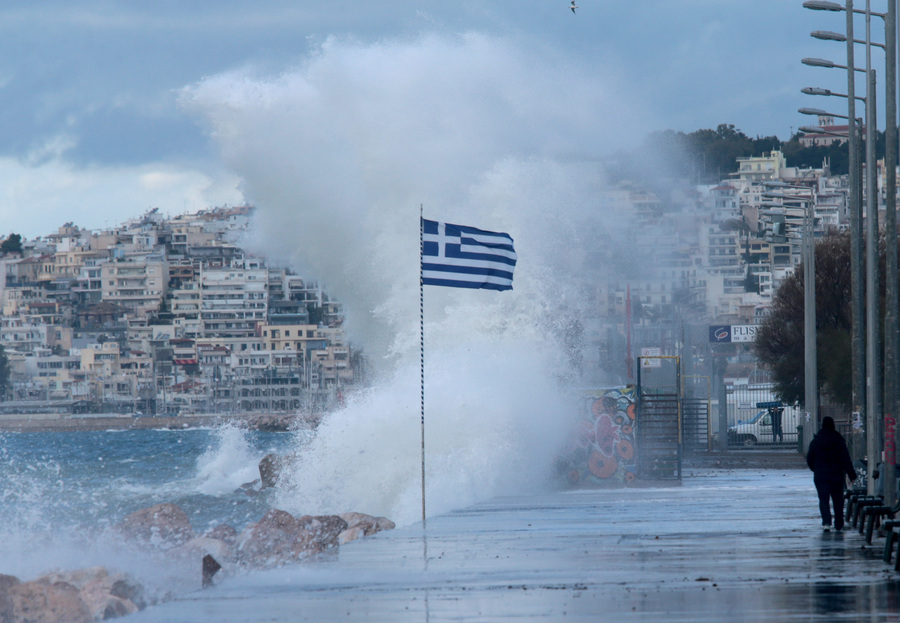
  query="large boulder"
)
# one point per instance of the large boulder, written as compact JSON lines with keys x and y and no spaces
{"x":276,"y":539}
{"x":270,"y":468}
{"x":162,"y":525}
{"x":79,"y":578}
{"x":274,"y":467}
{"x":40,"y":602}
{"x":6,"y":603}
{"x":325,"y":530}
{"x":90,"y":594}
{"x":106,"y":596}
{"x":351,"y":534}
{"x":119,"y":585}
{"x":360,"y":525}
{"x":223,"y":532}
{"x":103,"y":605}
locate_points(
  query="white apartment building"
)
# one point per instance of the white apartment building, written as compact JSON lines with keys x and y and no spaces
{"x":233,"y":298}
{"x":769,"y":166}
{"x":18,"y":334}
{"x":101,"y":359}
{"x":137,"y":284}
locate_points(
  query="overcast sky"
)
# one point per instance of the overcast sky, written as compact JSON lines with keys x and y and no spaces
{"x":112,"y":107}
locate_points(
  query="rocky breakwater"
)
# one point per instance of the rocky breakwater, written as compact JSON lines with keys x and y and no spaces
{"x":79,"y":596}
{"x":94,"y":594}
{"x":277,"y":538}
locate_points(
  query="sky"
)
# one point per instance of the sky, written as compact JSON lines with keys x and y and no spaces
{"x":111,"y":108}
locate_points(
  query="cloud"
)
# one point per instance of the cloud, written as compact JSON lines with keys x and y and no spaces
{"x":37,"y":198}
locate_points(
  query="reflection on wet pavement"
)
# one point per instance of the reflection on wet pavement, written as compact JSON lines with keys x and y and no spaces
{"x":741,"y":545}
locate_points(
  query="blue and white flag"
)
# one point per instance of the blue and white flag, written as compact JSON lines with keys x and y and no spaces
{"x":465,"y":257}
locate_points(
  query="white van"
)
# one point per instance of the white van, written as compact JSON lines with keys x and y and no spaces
{"x":754,"y":426}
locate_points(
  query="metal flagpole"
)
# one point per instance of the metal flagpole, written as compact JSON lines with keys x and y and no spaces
{"x":422,"y":353}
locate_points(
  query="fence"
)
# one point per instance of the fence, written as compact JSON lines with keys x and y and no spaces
{"x":757,"y":418}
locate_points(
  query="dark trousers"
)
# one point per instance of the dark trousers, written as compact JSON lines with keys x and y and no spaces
{"x":776,"y":429}
{"x":831,"y":492}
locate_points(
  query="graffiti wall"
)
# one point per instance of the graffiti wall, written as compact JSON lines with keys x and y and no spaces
{"x":600,"y":451}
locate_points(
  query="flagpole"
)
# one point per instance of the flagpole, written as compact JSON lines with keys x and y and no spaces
{"x":422,"y":354}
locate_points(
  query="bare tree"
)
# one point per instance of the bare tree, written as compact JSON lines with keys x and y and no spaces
{"x":779,"y":342}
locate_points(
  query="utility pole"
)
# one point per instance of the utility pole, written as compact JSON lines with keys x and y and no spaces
{"x":891,"y":333}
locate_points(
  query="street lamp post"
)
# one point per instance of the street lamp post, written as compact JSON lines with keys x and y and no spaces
{"x":892,"y":299}
{"x":857,"y":262}
{"x":872,"y":359}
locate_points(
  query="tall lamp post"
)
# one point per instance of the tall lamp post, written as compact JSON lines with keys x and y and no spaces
{"x":874,"y":387}
{"x":892,"y":298}
{"x":857,"y":261}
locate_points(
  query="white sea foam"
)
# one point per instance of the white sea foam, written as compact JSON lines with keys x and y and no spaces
{"x":229,"y":461}
{"x":338,"y":154}
{"x":492,"y":422}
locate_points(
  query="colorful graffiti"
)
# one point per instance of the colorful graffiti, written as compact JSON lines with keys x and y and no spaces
{"x":601,"y":450}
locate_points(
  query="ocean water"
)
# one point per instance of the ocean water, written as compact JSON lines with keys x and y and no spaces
{"x":63,"y":494}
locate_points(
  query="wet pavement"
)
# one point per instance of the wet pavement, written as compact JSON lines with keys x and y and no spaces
{"x":726,"y":545}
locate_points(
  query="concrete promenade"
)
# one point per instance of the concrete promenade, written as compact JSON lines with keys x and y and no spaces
{"x":727,"y":545}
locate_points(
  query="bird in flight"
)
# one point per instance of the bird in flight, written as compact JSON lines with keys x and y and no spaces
{"x":572,"y":6}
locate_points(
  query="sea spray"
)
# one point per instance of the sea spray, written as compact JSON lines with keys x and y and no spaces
{"x":338,"y":154}
{"x":229,"y":462}
{"x":493,"y":421}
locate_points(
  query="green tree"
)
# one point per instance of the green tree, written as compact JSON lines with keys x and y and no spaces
{"x":12,"y":244}
{"x":707,"y":156}
{"x":779,"y":343}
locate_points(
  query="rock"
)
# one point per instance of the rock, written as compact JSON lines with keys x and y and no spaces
{"x":125,"y":587}
{"x":210,"y":567}
{"x":106,"y":596}
{"x":249,"y":489}
{"x":271,"y":422}
{"x":269,"y":470}
{"x":161,"y":525}
{"x":360,"y":525}
{"x":276,"y":539}
{"x":78,"y":578}
{"x":383,"y":523}
{"x":40,"y":602}
{"x":368,"y":523}
{"x":272,"y":468}
{"x":104,"y":605}
{"x":351,"y":534}
{"x":223,"y":532}
{"x":90,"y":594}
{"x":324,"y":528}
{"x":6,"y":602}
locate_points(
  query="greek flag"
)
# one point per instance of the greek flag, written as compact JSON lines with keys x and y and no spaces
{"x":465,"y":257}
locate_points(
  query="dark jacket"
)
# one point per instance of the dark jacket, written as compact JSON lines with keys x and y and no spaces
{"x":828,"y":456}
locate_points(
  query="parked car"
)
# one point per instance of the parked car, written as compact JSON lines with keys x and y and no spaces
{"x":757,"y":428}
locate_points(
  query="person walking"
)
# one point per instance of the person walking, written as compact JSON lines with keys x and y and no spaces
{"x":830,"y":462}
